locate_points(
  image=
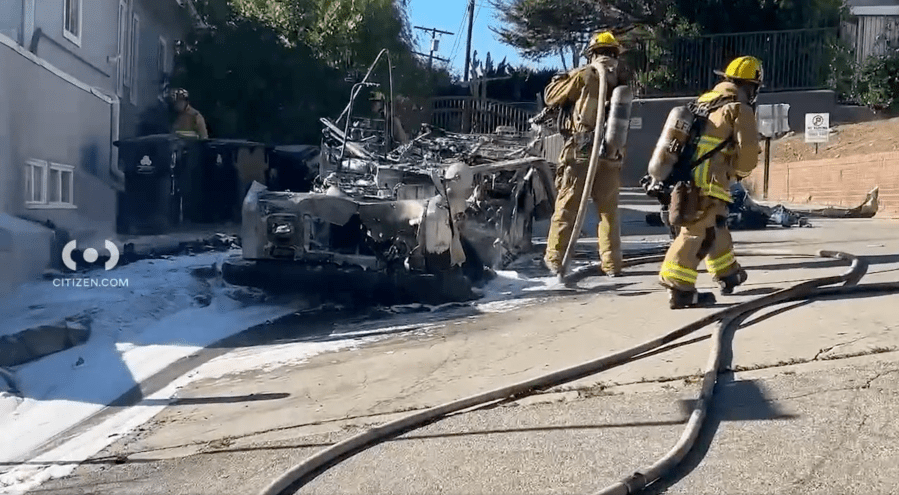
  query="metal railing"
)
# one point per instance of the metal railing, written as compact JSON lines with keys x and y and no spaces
{"x":793,"y":60}
{"x":467,"y":114}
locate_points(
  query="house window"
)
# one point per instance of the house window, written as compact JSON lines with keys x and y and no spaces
{"x":49,"y":185}
{"x":61,"y":186}
{"x":35,"y":183}
{"x":135,"y":55}
{"x":72,"y":20}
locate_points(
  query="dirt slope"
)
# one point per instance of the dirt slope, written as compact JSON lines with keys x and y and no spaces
{"x":845,"y":140}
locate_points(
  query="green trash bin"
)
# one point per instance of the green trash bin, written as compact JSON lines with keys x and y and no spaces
{"x":152,"y":200}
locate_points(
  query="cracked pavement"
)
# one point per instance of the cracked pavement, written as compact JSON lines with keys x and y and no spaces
{"x":809,"y":408}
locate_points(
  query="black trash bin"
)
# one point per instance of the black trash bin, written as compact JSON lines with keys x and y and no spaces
{"x":291,"y":168}
{"x":229,"y":166}
{"x":152,"y":201}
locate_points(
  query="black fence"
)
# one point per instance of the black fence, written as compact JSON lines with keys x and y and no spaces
{"x":793,"y":60}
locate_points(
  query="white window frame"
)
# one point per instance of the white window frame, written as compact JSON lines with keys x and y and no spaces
{"x":30,"y":166}
{"x":75,"y":38}
{"x":135,"y":54}
{"x":124,"y":21}
{"x":62,"y":169}
{"x":44,"y":201}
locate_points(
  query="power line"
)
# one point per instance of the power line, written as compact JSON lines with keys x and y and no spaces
{"x":457,"y":43}
{"x":434,"y":44}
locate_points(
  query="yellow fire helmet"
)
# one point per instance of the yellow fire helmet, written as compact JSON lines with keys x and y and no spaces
{"x":744,"y":69}
{"x":604,"y":39}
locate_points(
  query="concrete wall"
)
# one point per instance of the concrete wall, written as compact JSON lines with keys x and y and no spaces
{"x":47,"y":115}
{"x":98,"y":41}
{"x":834,"y":182}
{"x":25,"y":248}
{"x":60,"y":105}
{"x":654,"y":112}
{"x":97,"y":59}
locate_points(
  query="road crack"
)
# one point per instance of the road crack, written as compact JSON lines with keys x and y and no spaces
{"x":828,"y":349}
{"x":878,"y":376}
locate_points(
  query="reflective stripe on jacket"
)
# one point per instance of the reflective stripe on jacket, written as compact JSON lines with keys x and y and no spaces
{"x":735,"y":120}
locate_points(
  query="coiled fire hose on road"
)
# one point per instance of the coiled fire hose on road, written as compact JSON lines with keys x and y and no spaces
{"x":729,"y":318}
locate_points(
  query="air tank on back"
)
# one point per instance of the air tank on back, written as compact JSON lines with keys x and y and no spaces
{"x":619,"y":120}
{"x":674,"y":137}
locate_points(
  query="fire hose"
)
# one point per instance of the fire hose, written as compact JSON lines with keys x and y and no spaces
{"x":728,"y":319}
{"x":598,"y":134}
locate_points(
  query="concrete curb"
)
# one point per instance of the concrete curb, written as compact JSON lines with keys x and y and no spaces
{"x":34,"y":343}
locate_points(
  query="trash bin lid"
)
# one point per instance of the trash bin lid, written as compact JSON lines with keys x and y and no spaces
{"x":298,"y":151}
{"x":153,"y":138}
{"x":235,"y":143}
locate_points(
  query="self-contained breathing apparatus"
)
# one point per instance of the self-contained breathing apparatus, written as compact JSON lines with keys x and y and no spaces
{"x":672,"y":161}
{"x":558,"y":116}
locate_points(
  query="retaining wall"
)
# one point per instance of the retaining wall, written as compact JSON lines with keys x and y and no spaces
{"x":833,"y":182}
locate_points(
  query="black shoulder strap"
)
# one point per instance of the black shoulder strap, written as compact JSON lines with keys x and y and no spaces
{"x":701,"y":108}
{"x":711,"y":152}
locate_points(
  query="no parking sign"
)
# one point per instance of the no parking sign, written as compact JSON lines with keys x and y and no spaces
{"x":817,"y":127}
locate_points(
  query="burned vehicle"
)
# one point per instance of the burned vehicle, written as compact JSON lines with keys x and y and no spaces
{"x":421,"y":221}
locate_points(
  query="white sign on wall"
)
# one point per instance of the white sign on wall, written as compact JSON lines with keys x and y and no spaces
{"x":817,"y":127}
{"x":636,"y":123}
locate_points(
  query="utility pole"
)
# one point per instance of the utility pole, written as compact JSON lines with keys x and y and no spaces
{"x":468,"y":43}
{"x":435,"y":43}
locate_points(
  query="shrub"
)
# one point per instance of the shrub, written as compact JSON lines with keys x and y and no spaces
{"x":878,"y":82}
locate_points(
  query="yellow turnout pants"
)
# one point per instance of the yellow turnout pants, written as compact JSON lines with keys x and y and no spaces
{"x":706,"y":238}
{"x":570,"y":180}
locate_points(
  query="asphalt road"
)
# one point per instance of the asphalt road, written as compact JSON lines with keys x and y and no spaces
{"x":823,"y":427}
{"x":805,"y":429}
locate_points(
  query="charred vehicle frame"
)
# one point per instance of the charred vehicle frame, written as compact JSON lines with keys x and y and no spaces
{"x":421,"y":221}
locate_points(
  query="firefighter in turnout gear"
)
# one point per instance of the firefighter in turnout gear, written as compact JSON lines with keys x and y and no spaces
{"x":576,"y":95}
{"x":188,"y":121}
{"x":731,"y":130}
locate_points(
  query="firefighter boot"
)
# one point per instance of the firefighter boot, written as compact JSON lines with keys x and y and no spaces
{"x":680,"y":299}
{"x":553,"y":266}
{"x":730,"y":282}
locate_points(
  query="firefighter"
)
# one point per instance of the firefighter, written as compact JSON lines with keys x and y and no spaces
{"x":382,"y":111}
{"x":576,"y":94}
{"x":188,"y":121}
{"x":731,"y":129}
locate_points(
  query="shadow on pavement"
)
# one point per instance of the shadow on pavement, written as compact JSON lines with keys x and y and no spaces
{"x":293,"y":446}
{"x":232,"y":399}
{"x":758,"y":291}
{"x":734,"y":400}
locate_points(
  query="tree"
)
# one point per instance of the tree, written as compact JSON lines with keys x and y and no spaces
{"x":542,"y":28}
{"x":250,"y":84}
{"x":268,"y":70}
{"x":740,"y":16}
{"x":349,"y":34}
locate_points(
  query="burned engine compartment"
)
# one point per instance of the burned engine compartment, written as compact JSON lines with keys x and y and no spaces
{"x":441,"y":203}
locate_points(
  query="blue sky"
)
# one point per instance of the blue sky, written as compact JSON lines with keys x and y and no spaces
{"x":450,"y":15}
